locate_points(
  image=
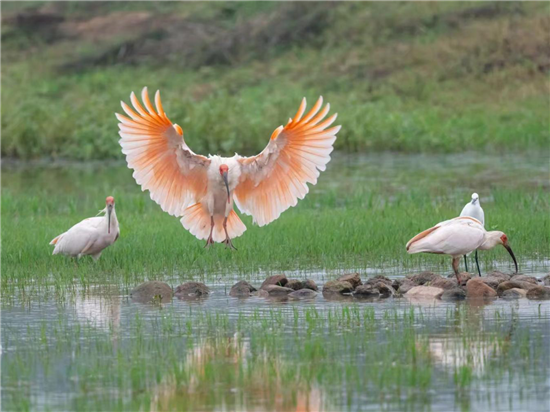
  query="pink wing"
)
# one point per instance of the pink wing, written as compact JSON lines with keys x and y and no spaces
{"x":162,"y":162}
{"x":275,"y":179}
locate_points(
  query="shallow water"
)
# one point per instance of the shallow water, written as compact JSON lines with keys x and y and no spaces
{"x":472,"y":336}
{"x":70,"y":347}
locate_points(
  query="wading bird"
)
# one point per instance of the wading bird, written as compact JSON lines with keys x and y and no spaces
{"x":202,"y":189}
{"x":90,"y":236}
{"x":474,"y":209}
{"x":458,"y":237}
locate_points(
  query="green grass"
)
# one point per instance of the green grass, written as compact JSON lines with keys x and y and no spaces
{"x":359,"y":216}
{"x":431,"y":77}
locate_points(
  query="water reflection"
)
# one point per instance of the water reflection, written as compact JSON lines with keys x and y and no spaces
{"x":99,"y":307}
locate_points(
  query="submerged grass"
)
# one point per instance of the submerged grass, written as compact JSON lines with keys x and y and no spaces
{"x":276,"y":359}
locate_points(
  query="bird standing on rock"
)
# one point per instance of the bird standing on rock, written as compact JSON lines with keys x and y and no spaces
{"x":458,"y":237}
{"x":202,"y":189}
{"x":474,"y":209}
{"x":91,"y":236}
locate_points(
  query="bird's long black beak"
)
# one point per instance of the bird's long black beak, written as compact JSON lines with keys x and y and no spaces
{"x":509,"y":249}
{"x":109,"y":210}
{"x":224,"y":176}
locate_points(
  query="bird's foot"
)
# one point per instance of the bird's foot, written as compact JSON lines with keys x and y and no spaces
{"x":209,"y":242}
{"x":229,"y":244}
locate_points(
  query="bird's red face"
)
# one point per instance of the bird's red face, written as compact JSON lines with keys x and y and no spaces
{"x":224,"y":169}
{"x":110,"y":200}
{"x":504,"y":239}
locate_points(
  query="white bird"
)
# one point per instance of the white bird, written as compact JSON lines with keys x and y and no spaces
{"x":202,"y":189}
{"x":90,"y":236}
{"x":474,"y":209}
{"x":458,"y":237}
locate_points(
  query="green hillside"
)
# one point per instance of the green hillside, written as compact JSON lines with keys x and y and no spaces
{"x":409,"y":77}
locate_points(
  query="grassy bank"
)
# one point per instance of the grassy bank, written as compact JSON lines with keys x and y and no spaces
{"x":422,"y":77}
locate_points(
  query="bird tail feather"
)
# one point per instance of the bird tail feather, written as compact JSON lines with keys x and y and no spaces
{"x":54,"y":241}
{"x":196,"y":220}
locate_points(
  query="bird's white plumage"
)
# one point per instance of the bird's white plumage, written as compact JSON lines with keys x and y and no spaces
{"x":89,"y":237}
{"x":455,"y":237}
{"x":474,"y":209}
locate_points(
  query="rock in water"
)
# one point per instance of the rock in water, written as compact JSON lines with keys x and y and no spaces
{"x":493,"y":281}
{"x":337,"y":286}
{"x":423,"y":278}
{"x":496,"y":274}
{"x":477,"y":289}
{"x":405,"y":286}
{"x":379,"y":279}
{"x":510,"y":284}
{"x":514,"y":294}
{"x":191,"y":290}
{"x":310,"y":284}
{"x":275,"y":290}
{"x":453,"y":294}
{"x":351,"y":278}
{"x":303,"y":294}
{"x":241,"y":289}
{"x":295,"y":284}
{"x":443,"y":283}
{"x":152,"y":291}
{"x":426,"y":292}
{"x":366,"y":292}
{"x":279,"y":280}
{"x":539,"y":293}
{"x":524,"y":278}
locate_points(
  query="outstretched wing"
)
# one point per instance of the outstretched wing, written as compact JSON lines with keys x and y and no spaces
{"x":162,"y":162}
{"x":275,"y":179}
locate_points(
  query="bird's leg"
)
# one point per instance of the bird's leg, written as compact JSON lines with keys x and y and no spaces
{"x":210,"y":241}
{"x":227,"y":240}
{"x":456,"y":262}
{"x":466,"y":263}
{"x":477,"y":264}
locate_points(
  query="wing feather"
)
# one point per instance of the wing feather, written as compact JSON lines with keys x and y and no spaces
{"x":274,"y":180}
{"x":161,"y":160}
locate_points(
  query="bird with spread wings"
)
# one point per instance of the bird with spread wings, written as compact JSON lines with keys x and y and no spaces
{"x":201,"y":190}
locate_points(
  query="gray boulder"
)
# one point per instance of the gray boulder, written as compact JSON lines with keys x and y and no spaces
{"x":242,"y":289}
{"x":443,"y":283}
{"x":366,"y":292}
{"x":509,"y":284}
{"x":310,"y":284}
{"x":405,"y":286}
{"x":539,"y":293}
{"x":275,"y":290}
{"x":337,"y":286}
{"x":279,"y":280}
{"x":514,"y":294}
{"x":295,"y":284}
{"x":152,"y":291}
{"x":423,"y":278}
{"x":455,"y":294}
{"x":191,"y":290}
{"x":524,"y":278}
{"x":352,"y":278}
